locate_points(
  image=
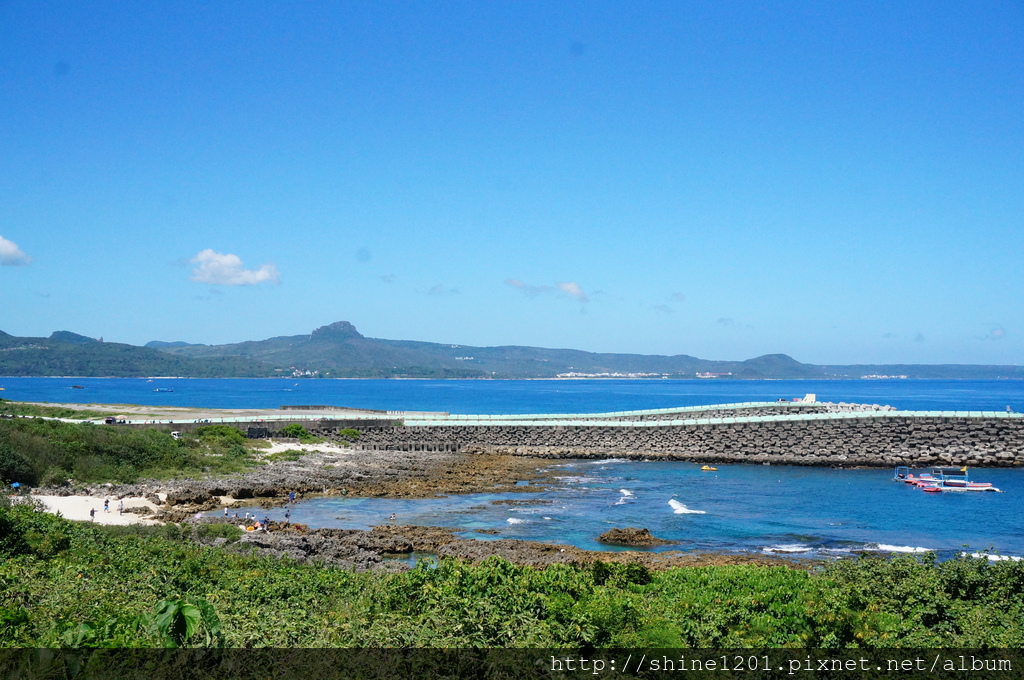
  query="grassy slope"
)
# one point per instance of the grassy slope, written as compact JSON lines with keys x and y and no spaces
{"x":35,"y":451}
{"x":66,"y":584}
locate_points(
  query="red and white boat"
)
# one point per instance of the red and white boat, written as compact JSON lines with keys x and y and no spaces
{"x":941,"y":479}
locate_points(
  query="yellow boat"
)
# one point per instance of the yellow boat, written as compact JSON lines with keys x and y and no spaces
{"x":708,"y":468}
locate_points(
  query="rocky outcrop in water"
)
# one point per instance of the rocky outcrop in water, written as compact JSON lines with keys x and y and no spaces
{"x":631,"y":537}
{"x":381,"y":549}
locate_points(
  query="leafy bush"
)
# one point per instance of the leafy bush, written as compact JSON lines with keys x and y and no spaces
{"x":296,"y":431}
{"x":176,"y":622}
{"x":64,"y":584}
{"x":290,"y":455}
{"x":35,"y":451}
{"x":15,"y":467}
{"x":15,"y":408}
{"x":349,"y":434}
{"x":220,"y":434}
{"x":219,"y":530}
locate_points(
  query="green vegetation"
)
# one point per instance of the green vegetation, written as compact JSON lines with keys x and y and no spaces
{"x":53,"y":357}
{"x":68,"y":584}
{"x":35,"y":451}
{"x":340,"y":351}
{"x":349,"y":434}
{"x":297,"y":431}
{"x":289,"y":455}
{"x":14,"y":408}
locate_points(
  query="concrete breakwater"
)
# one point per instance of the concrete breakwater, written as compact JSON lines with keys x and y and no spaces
{"x":882,"y":438}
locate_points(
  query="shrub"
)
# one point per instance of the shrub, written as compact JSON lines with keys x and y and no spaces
{"x":35,"y":451}
{"x":219,"y":530}
{"x":221,"y":434}
{"x":15,"y":467}
{"x":297,"y":431}
{"x":290,"y":455}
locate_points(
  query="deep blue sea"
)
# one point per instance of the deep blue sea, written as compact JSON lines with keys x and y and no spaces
{"x":515,"y":396}
{"x":743,"y":508}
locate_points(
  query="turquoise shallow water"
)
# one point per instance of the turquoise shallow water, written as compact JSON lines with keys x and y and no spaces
{"x":812,"y":512}
{"x":802,"y":511}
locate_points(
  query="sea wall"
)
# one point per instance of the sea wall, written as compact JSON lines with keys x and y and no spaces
{"x":324,"y":424}
{"x":883,"y":440}
{"x":773,"y":410}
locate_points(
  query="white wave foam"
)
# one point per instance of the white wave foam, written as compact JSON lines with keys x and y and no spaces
{"x":513,"y":520}
{"x":787,"y":548}
{"x":899,"y":548}
{"x":627,"y":496}
{"x":680,"y":509}
{"x":996,"y":558}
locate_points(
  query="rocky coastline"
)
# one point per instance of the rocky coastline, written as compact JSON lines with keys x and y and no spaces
{"x":359,"y":473}
{"x":191,"y":502}
{"x":427,"y":462}
{"x":394,"y":548}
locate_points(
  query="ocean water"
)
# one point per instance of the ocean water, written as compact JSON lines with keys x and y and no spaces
{"x":810,"y":512}
{"x":514,"y":396}
{"x":806,"y":512}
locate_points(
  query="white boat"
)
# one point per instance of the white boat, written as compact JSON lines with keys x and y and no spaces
{"x":941,"y":479}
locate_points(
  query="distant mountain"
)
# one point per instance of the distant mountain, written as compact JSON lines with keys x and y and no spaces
{"x":156,"y":344}
{"x":926,"y":371}
{"x":339,"y":350}
{"x":66,"y":353}
{"x":71,"y":338}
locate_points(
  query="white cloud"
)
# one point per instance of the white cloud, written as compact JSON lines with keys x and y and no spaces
{"x":441,"y":290}
{"x":528,"y":290}
{"x":730,"y":322}
{"x":222,"y":269}
{"x":573,"y":289}
{"x":11,"y":255}
{"x":570,"y":288}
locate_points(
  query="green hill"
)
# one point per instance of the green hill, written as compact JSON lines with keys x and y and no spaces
{"x":66,"y":353}
{"x":339,"y":350}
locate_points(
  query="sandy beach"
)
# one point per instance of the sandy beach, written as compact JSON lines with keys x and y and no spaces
{"x":323,"y":447}
{"x":78,"y":507}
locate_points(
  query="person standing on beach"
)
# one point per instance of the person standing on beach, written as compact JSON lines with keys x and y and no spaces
{"x":106,"y":505}
{"x":120,"y":507}
{"x":92,"y":514}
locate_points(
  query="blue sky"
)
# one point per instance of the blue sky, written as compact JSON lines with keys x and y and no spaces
{"x":841,"y":182}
